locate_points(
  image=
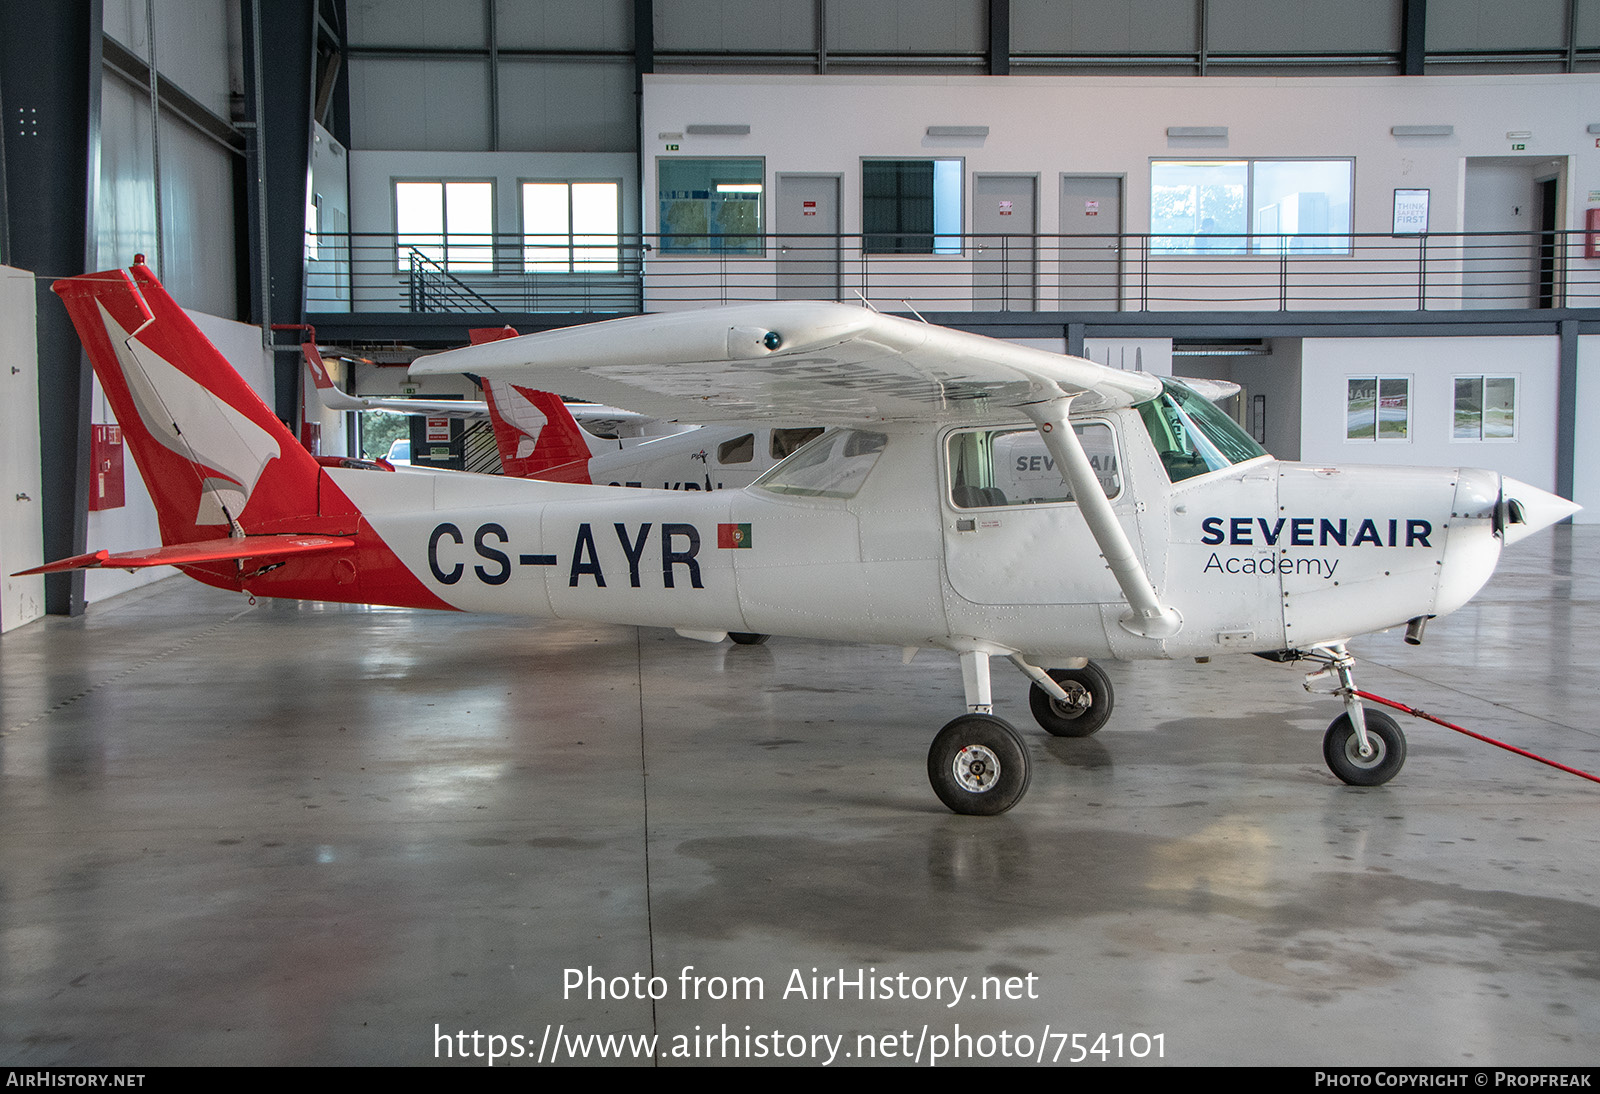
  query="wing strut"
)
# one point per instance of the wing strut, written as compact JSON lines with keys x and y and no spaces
{"x":1148,"y":619}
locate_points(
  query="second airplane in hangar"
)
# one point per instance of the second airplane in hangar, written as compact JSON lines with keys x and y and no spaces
{"x":541,"y":436}
{"x":924,"y":518}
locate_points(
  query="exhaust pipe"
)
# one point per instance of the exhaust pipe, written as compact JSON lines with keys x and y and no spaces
{"x":1414,"y":629}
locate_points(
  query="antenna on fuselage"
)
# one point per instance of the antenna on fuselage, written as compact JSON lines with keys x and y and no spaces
{"x":865,"y":301}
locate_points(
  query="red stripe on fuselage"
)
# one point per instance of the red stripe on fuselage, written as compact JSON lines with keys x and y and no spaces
{"x":370,"y":573}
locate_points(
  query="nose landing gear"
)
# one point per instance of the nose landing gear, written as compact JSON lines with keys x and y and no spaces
{"x":1362,"y":747}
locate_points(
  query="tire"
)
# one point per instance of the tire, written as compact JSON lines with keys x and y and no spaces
{"x":746,"y":638}
{"x":1091,"y":686}
{"x":978,"y":765}
{"x":1340,"y":748}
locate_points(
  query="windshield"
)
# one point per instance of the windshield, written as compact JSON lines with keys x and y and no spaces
{"x":1192,"y":436}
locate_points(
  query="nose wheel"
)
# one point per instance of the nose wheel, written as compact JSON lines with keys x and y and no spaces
{"x":1386,"y":750}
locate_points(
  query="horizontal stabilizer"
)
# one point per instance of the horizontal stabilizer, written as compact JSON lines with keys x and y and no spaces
{"x":185,"y":554}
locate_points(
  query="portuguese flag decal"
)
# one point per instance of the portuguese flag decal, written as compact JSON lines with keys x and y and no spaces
{"x":733,"y":535}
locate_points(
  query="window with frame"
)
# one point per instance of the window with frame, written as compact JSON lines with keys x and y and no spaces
{"x":1253,"y":206}
{"x":835,"y":465}
{"x":444,"y":223}
{"x":911,"y":207}
{"x":711,"y":206}
{"x":1485,"y":408}
{"x":785,"y":442}
{"x":1377,"y":408}
{"x":739,"y":450}
{"x":1011,"y":466}
{"x":571,"y":227}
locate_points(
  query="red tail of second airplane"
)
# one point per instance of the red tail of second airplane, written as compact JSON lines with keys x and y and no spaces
{"x":537,"y":435}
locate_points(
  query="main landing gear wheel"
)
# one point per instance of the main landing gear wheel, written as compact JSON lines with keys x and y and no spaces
{"x":1087,"y":706}
{"x":746,"y":638}
{"x":1342,"y":749}
{"x":978,"y":765}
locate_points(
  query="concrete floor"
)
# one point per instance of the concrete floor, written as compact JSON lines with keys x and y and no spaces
{"x":295,"y":833}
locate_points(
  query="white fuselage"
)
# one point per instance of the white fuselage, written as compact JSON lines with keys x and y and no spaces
{"x":1264,"y":555}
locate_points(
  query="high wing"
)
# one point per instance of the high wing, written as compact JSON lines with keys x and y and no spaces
{"x":602,"y":421}
{"x":793,"y":360}
{"x":335,"y":398}
{"x":1212,"y":390}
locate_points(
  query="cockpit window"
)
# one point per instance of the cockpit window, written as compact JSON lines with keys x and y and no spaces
{"x":832,"y":466}
{"x":738,"y":450}
{"x":993,"y":467}
{"x":1192,"y":436}
{"x":786,"y":442}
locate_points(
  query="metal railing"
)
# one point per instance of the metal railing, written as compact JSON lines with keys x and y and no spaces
{"x":1008,"y":273}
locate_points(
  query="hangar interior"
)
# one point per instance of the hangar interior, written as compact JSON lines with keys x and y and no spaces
{"x":290,"y":832}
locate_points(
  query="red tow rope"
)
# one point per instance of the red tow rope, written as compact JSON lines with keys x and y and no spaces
{"x":1371,"y":698}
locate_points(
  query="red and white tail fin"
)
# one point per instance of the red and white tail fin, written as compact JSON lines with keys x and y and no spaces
{"x":537,"y":435}
{"x":216,"y":460}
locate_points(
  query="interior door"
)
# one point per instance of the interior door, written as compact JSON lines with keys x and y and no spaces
{"x":1091,"y":243}
{"x":1005,"y":259}
{"x":807,"y":222}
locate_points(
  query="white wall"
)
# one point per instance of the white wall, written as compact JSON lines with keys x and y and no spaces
{"x":1432,"y":364}
{"x":1106,"y":125}
{"x":1110,"y":125}
{"x":134,"y":525}
{"x":1152,"y":355}
{"x":21,"y":511}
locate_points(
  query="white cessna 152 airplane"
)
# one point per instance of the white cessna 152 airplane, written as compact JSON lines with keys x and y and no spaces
{"x":925,"y":518}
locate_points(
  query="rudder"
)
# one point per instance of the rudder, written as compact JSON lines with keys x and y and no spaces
{"x":536,"y":433}
{"x":213,"y":456}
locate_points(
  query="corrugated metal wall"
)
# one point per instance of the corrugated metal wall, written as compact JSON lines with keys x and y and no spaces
{"x":195,"y":256}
